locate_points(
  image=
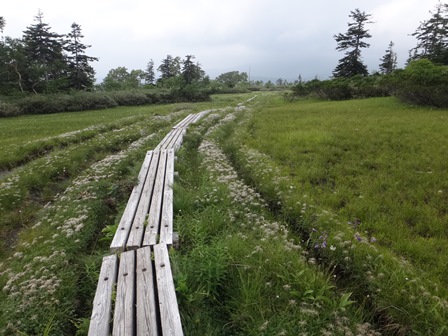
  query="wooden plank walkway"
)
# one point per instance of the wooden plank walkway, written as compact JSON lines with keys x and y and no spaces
{"x":145,"y":298}
{"x":138,"y":274}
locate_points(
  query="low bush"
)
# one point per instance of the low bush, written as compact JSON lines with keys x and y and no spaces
{"x":129,"y":98}
{"x":192,"y":94}
{"x":43,"y":104}
{"x":8,"y":110}
{"x":421,"y":83}
{"x":81,"y":101}
{"x":342,"y":88}
{"x":40,"y":104}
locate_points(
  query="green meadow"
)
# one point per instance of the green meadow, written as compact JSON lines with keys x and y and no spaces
{"x":374,"y":161}
{"x":364,"y":183}
{"x":295,"y":218}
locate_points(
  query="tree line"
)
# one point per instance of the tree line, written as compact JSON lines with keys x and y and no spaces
{"x":174,"y":72}
{"x":43,"y":61}
{"x":431,"y":35}
{"x":423,"y":81}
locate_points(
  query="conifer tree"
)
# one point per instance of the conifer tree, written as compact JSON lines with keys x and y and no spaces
{"x":432,"y":37}
{"x":150,"y":76}
{"x":190,"y":71}
{"x":2,"y":24}
{"x":81,"y":75}
{"x":170,"y":67}
{"x":352,"y":42}
{"x":46,"y":61}
{"x":389,"y":60}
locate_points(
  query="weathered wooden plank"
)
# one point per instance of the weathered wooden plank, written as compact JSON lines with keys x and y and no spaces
{"x":174,"y":139}
{"x":184,"y":122}
{"x":153,"y":227}
{"x":138,"y":225}
{"x":179,"y":139}
{"x":201,"y":114}
{"x":166,"y":224}
{"x":197,"y":118}
{"x":169,"y":310}
{"x":168,"y":140}
{"x":102,"y":303}
{"x":147,"y":307}
{"x":189,"y":120}
{"x":163,"y":144}
{"x":125,"y":299}
{"x":124,"y":227}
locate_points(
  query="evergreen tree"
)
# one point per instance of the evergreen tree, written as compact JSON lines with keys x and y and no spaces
{"x":190,"y":71}
{"x":170,"y":67}
{"x":389,"y":60}
{"x":432,"y":37}
{"x":46,"y":62}
{"x":150,"y":76}
{"x":2,"y":24}
{"x":352,"y":42}
{"x":81,"y":75}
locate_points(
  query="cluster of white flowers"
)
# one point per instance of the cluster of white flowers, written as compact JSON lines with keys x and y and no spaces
{"x":240,"y":193}
{"x":66,"y":216}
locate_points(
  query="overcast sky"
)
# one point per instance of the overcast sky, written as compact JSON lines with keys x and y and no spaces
{"x":270,"y":38}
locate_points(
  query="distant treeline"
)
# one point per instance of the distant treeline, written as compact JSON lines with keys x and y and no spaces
{"x":46,"y":72}
{"x":421,"y":83}
{"x":424,"y":81}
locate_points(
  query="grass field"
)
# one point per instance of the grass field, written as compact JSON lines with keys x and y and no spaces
{"x":295,"y":218}
{"x":375,"y":161}
{"x":365,"y":171}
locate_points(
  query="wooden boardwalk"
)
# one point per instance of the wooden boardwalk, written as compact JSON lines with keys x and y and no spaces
{"x":135,"y":288}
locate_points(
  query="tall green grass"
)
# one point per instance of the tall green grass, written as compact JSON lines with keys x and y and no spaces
{"x":364,"y":182}
{"x":375,"y":160}
{"x":239,"y":270}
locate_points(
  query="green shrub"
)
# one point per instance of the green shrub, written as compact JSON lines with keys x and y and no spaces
{"x":421,"y":83}
{"x":368,"y":86}
{"x":343,"y":88}
{"x":82,"y":101}
{"x":301,"y":90}
{"x":8,"y":110}
{"x":129,"y":98}
{"x":40,"y":104}
{"x":191,"y":94}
